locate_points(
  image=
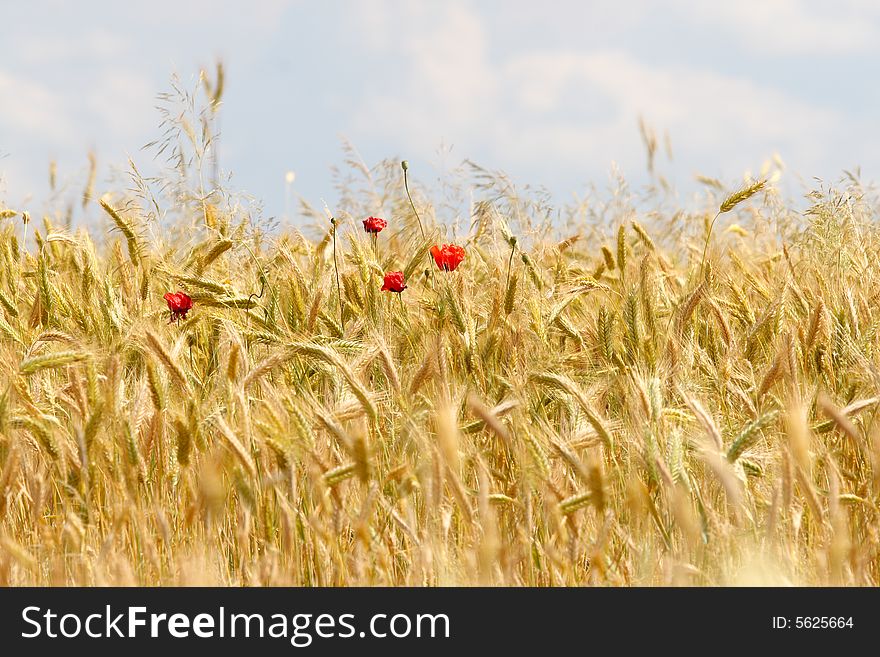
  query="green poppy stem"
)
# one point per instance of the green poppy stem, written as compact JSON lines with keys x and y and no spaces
{"x":510,"y":262}
{"x":405,"y":166}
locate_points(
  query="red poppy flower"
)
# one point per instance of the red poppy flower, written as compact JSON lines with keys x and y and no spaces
{"x":447,"y":256}
{"x":179,"y":303}
{"x":393,"y":282}
{"x":374,"y":224}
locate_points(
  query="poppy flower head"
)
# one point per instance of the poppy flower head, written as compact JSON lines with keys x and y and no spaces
{"x":374,"y":224}
{"x":447,"y":256}
{"x":179,"y":303}
{"x":393,"y":282}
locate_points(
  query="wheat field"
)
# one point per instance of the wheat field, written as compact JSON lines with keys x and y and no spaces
{"x":609,"y":395}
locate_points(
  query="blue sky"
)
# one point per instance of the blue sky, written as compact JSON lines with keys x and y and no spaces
{"x":549,"y":92}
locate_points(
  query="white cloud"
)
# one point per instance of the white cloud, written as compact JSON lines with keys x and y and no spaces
{"x":34,"y":109}
{"x":42,"y":120}
{"x":17,"y":186}
{"x":59,"y":48}
{"x":527,"y":87}
{"x":246,"y":14}
{"x":563,"y":107}
{"x":121,"y":102}
{"x":708,"y":105}
{"x":450,"y":83}
{"x":791,"y":27}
